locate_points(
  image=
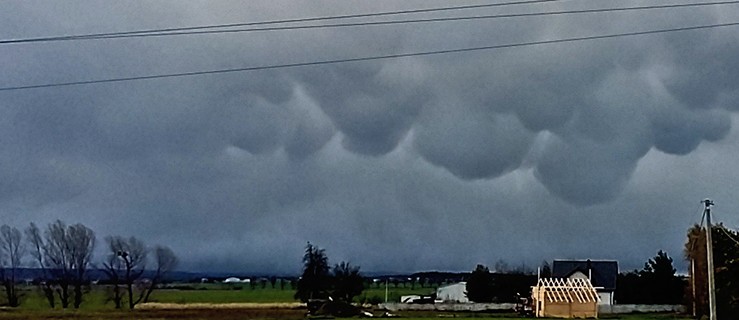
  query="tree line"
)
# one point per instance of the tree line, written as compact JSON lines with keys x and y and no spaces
{"x":726,"y":270}
{"x":656,"y":283}
{"x":503,"y":286}
{"x":319,"y":282}
{"x":64,"y":255}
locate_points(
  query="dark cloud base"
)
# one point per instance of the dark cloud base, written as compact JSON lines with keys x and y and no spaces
{"x":586,"y":150}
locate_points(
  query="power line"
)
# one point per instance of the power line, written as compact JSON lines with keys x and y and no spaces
{"x":392,"y":22}
{"x":180,"y":31}
{"x":268,"y":22}
{"x":722,"y":228}
{"x":369,"y":58}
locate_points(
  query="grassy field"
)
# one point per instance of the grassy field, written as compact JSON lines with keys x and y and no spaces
{"x":227,"y":294}
{"x":183,"y":299}
{"x":223,"y":295}
{"x":96,"y":299}
{"x":256,"y":314}
{"x":204,"y":314}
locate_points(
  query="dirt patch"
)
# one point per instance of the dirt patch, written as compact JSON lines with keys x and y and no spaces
{"x":182,"y":312}
{"x":239,"y":305}
{"x":222,"y":313}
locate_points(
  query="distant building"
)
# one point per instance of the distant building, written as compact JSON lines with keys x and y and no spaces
{"x":602,"y":275}
{"x":453,"y":293}
{"x":232,"y":280}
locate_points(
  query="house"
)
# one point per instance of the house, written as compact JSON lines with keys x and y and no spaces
{"x":565,"y":298}
{"x":453,"y":293}
{"x":601,"y":273}
{"x":232,"y":280}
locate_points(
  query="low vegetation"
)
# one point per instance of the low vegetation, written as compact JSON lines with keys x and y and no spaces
{"x":258,"y":314}
{"x":61,"y":293}
{"x":227,"y":301}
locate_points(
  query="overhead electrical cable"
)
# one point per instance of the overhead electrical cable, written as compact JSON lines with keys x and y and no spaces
{"x":369,"y":58}
{"x":282,"y":21}
{"x":374,"y":23}
{"x":722,"y":228}
{"x":392,"y":22}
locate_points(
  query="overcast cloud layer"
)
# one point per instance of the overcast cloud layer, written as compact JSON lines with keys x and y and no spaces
{"x":599,"y":149}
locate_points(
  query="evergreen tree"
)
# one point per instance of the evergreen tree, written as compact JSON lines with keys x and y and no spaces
{"x":546,"y":270}
{"x":655,"y":284}
{"x":661,"y":286}
{"x":348,"y":283}
{"x":480,"y":285}
{"x":314,"y":283}
{"x":726,"y":264}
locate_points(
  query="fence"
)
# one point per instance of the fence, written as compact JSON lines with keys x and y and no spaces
{"x":462,"y":307}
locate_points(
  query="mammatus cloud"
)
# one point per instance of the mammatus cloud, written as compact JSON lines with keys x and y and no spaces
{"x":472,"y":144}
{"x":384,"y":162}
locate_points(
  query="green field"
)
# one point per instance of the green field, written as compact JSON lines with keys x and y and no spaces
{"x":223,"y":295}
{"x":96,"y":305}
{"x":218,"y":293}
{"x":96,"y":298}
{"x":264,"y":314}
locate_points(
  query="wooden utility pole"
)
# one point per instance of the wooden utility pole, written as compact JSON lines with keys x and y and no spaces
{"x":692,"y":279}
{"x":709,"y":257}
{"x":386,"y":280}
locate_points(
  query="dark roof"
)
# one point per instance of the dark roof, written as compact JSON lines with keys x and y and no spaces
{"x":604,"y":272}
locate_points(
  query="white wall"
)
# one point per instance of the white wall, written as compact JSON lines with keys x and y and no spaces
{"x":453,"y":293}
{"x":579,"y":275}
{"x":631,"y":308}
{"x":606,"y":298}
{"x":448,"y":307}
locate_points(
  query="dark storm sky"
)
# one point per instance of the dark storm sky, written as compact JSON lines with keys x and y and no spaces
{"x":596,"y":149}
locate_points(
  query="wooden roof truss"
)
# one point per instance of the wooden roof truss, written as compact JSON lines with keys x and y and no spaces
{"x":567,"y":290}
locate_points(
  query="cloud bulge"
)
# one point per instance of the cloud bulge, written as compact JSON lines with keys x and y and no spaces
{"x":526,"y":151}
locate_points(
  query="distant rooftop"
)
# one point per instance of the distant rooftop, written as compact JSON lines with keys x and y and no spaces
{"x":604,"y":272}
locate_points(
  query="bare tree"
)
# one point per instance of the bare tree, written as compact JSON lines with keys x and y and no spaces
{"x":113,"y":268}
{"x":33,"y":235}
{"x":81,"y":246}
{"x":125,"y":265}
{"x":166,"y":261}
{"x":11,"y":251}
{"x":56,"y":254}
{"x":67,"y":252}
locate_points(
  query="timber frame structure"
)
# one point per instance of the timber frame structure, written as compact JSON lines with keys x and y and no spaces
{"x":565,"y":298}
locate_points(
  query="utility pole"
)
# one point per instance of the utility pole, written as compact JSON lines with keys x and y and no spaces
{"x":709,"y":257}
{"x":386,"y":280}
{"x":692,"y":280}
